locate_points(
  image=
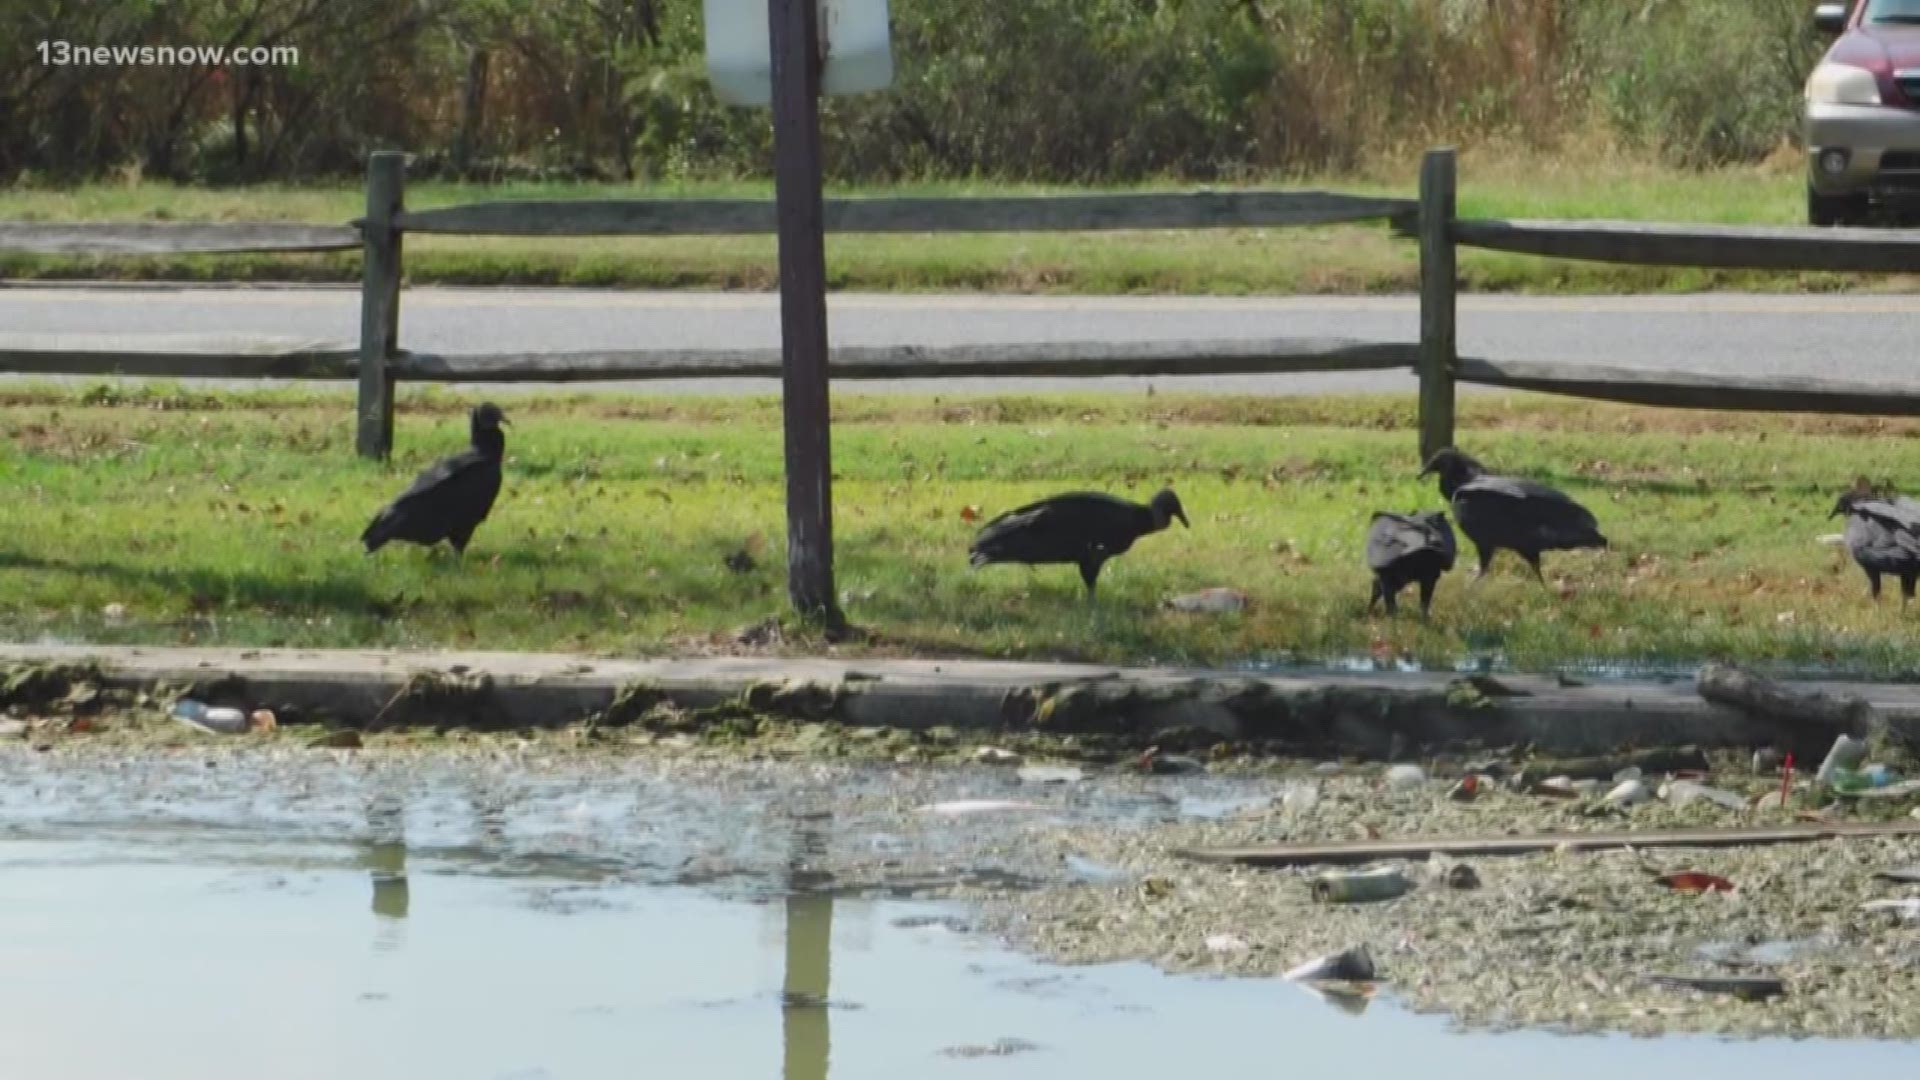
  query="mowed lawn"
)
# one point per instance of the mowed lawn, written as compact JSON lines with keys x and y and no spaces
{"x":174,"y":516}
{"x":1363,"y":258}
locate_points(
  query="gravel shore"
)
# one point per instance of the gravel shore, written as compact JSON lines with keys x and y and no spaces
{"x":1556,"y":939}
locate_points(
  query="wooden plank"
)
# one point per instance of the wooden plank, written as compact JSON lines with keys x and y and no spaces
{"x":1069,"y":359}
{"x":1033,"y":213}
{"x":170,"y":237}
{"x":794,"y":43}
{"x":1438,"y":302}
{"x":1353,"y":852}
{"x":234,"y":356}
{"x":1721,"y":247}
{"x":379,"y":304}
{"x":1683,"y":390}
{"x":177,"y":356}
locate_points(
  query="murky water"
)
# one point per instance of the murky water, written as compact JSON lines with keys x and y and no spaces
{"x":168,"y":918}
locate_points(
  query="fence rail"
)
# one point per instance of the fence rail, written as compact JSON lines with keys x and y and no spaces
{"x":178,"y":356}
{"x":1073,"y":359}
{"x":1710,"y":247}
{"x":1679,"y":390}
{"x":212,"y":357}
{"x":1037,"y":213}
{"x":378,"y":361}
{"x":172,"y":238}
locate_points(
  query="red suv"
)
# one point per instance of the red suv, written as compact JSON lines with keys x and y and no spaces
{"x":1863,"y":112}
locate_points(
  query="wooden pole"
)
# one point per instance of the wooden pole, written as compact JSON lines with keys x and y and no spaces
{"x":794,"y":32}
{"x":380,"y":301}
{"x":1438,"y":342}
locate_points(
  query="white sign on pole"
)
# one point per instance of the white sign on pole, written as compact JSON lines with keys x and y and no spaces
{"x":854,"y":42}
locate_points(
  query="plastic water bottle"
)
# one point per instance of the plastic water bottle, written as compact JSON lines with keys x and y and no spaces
{"x":1847,"y":780}
{"x":1846,"y":755}
{"x":224,"y":720}
{"x":1851,"y":780}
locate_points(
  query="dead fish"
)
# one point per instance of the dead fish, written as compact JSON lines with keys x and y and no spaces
{"x":1746,"y":989}
{"x":1216,"y":601}
{"x":1908,"y":908}
{"x":1683,"y":792}
{"x":1352,"y":1001}
{"x":976,"y":806}
{"x":1226,"y":943}
{"x":1049,"y":774}
{"x":1349,"y":965}
{"x":1153,"y":761}
{"x":1403,"y":777}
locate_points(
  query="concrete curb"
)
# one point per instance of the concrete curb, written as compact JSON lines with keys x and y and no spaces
{"x":1367,"y":715}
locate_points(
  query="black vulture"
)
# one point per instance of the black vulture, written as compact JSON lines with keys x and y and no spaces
{"x":1081,"y":527}
{"x":1507,"y":512}
{"x":1408,"y":547}
{"x":1884,"y":537}
{"x":450,"y":499}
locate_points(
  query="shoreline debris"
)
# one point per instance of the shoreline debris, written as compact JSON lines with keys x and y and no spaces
{"x":1693,"y":881}
{"x":219,"y":719}
{"x":1612,"y":766}
{"x":1355,"y":852}
{"x":1384,"y":883}
{"x":1846,"y":755}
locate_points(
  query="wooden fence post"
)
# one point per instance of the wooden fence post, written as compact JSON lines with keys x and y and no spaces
{"x":1438,"y":341}
{"x":794,"y":39}
{"x":380,"y":301}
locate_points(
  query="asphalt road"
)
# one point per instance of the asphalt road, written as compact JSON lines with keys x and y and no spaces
{"x":1865,"y":338}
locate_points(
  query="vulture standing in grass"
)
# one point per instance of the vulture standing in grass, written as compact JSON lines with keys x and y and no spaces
{"x":1507,"y":512}
{"x":1081,"y":527}
{"x":1404,"y":548}
{"x":450,"y":499}
{"x":1884,"y":537}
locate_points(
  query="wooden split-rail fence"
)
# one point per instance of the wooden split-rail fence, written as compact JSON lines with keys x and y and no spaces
{"x":379,"y":361}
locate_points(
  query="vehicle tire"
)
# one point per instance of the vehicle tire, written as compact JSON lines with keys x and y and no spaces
{"x":1828,"y":210}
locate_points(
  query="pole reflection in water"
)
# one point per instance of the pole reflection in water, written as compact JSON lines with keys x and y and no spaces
{"x":805,"y":1019}
{"x":386,"y":861}
{"x":388,"y":868}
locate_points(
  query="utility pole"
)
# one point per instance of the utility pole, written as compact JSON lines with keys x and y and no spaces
{"x":794,"y":29}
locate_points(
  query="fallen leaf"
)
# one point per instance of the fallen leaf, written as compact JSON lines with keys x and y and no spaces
{"x":969,"y":513}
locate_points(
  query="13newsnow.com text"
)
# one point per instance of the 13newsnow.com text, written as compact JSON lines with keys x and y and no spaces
{"x":67,"y":54}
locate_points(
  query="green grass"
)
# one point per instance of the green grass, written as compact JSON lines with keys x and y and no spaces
{"x":1346,"y":259}
{"x":231,"y":519}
